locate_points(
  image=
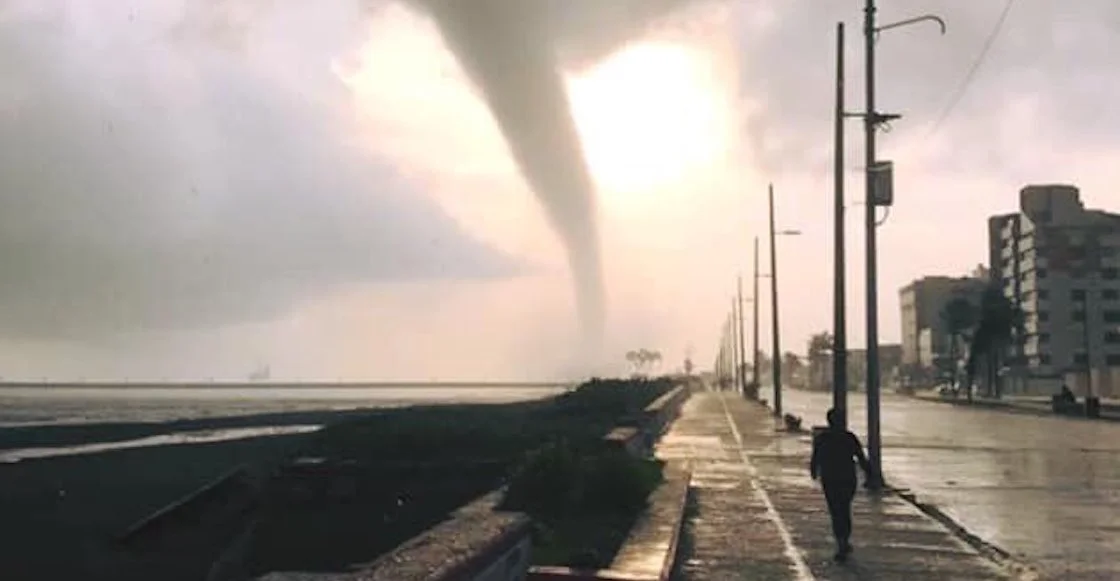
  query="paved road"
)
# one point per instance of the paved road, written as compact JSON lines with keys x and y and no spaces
{"x":1046,"y":489}
{"x":755,"y":514}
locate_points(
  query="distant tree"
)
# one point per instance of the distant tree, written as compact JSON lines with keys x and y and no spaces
{"x":819,"y":354}
{"x":641,"y":360}
{"x":958,"y":317}
{"x":791,"y":361}
{"x":791,"y":365}
{"x":998,"y":321}
{"x":654,"y":358}
{"x":633,"y":358}
{"x":820,"y":345}
{"x":765,"y":364}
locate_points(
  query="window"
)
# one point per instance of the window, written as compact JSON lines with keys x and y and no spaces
{"x":1112,"y":360}
{"x":1112,"y":337}
{"x":1110,"y":294}
{"x":1044,"y":337}
{"x":1077,"y":295}
{"x":1043,"y":295}
{"x":1078,"y":316}
{"x":1043,"y":316}
{"x":1109,"y":273}
{"x":1044,"y":359}
{"x":1040,"y":273}
{"x":1112,"y":316}
{"x":1080,"y":359}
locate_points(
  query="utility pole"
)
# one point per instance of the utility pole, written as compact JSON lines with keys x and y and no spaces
{"x":742,"y":341}
{"x":754,"y":342}
{"x":776,"y":346}
{"x":721,"y":357}
{"x":870,"y":121}
{"x":735,"y":340}
{"x":875,"y":196}
{"x":839,"y":306}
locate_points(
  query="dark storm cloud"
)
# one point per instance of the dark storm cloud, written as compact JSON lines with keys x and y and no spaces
{"x":148,"y":184}
{"x":1060,"y":55}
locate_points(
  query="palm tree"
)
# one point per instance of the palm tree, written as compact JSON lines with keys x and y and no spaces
{"x":654,"y":358}
{"x":999,"y":319}
{"x":634,"y":359}
{"x":643,"y":359}
{"x":958,"y":317}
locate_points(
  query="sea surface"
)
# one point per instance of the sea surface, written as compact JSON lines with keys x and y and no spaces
{"x":24,"y":408}
{"x":52,"y":405}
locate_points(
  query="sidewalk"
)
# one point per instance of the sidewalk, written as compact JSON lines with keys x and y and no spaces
{"x":1038,"y":406}
{"x":756,"y":515}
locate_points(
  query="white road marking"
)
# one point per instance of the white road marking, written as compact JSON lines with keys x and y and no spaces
{"x":801,"y":568}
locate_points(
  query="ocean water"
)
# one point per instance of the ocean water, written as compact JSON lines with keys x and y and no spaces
{"x":52,"y":405}
{"x":23,"y":407}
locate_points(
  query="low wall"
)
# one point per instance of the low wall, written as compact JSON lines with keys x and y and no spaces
{"x":654,"y":419}
{"x":658,"y":415}
{"x":230,"y":493}
{"x":478,"y":543}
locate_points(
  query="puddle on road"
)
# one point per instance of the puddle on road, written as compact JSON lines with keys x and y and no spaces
{"x":683,"y":441}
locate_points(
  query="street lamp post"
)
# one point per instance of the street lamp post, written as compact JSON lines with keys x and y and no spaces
{"x":754,"y":338}
{"x":724,"y":355}
{"x":775,"y":329}
{"x":742,"y":343}
{"x":735,"y":340}
{"x":872,"y":119}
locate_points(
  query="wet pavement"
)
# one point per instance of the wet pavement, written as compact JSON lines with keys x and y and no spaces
{"x":755,"y":514}
{"x":1046,"y":489}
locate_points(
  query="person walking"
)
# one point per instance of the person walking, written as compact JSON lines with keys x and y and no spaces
{"x":835,"y":454}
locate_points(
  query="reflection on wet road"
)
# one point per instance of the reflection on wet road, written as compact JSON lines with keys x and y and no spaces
{"x":1046,"y":489}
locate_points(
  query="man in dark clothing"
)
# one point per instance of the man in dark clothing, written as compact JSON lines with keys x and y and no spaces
{"x":835,"y":453}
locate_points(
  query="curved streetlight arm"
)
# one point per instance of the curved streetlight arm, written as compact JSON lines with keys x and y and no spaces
{"x":915,"y":20}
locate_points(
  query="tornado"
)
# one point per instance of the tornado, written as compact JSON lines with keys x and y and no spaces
{"x":509,"y":52}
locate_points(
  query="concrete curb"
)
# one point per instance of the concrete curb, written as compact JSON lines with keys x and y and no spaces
{"x":670,"y":561}
{"x":1011,"y":408}
{"x":1019,"y":569}
{"x":568,"y":574}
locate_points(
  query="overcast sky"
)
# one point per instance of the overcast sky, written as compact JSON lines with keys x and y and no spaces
{"x":194,"y":189}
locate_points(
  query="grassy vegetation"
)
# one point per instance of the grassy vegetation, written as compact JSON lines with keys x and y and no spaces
{"x":412,"y":467}
{"x":584,"y":499}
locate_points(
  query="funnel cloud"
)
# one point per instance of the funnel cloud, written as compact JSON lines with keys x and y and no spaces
{"x":504,"y":48}
{"x":514,"y":52}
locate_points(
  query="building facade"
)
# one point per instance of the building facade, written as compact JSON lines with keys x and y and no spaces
{"x":1059,"y":263}
{"x":925,"y":339}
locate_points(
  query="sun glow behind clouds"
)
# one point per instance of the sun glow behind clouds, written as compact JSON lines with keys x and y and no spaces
{"x":649,"y":116}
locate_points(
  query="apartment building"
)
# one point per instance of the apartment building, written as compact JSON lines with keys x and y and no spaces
{"x":925,"y":339}
{"x":1059,"y":262}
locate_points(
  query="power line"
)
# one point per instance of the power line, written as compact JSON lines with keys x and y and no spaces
{"x":963,"y":87}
